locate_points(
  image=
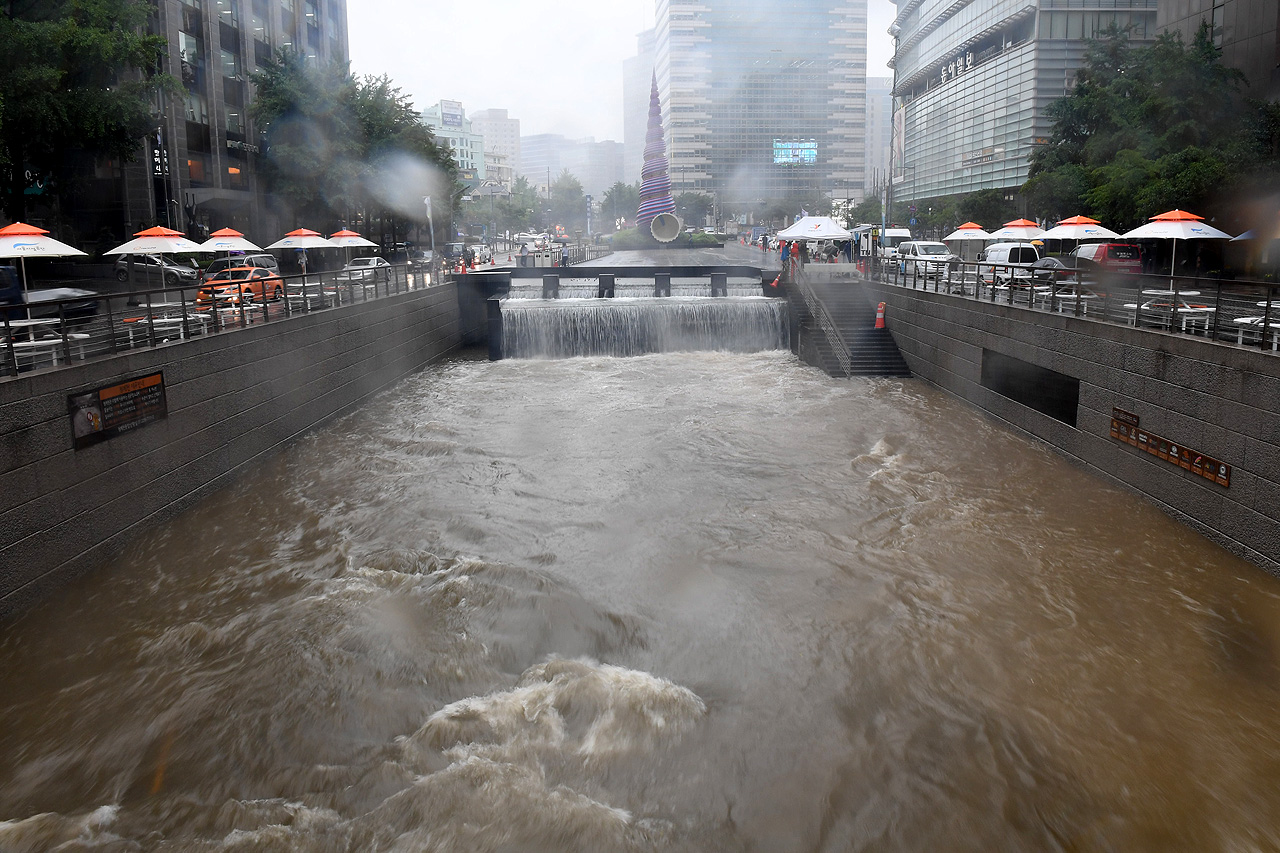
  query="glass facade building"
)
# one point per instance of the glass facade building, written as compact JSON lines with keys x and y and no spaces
{"x":762,"y":100}
{"x":973,"y":82}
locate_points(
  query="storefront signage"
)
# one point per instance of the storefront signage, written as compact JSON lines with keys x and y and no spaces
{"x":957,"y":66}
{"x":114,"y":409}
{"x":237,"y":145}
{"x":1125,"y":428}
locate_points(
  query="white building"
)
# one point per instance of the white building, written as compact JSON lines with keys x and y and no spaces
{"x":501,"y":135}
{"x":449,"y":122}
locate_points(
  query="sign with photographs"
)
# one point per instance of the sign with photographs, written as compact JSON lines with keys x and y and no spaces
{"x":114,"y":409}
{"x":1125,"y":427}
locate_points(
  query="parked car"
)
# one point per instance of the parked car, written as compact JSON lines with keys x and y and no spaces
{"x":218,"y":266}
{"x":147,"y":269}
{"x":1054,"y":270}
{"x":43,"y":302}
{"x":1004,"y":254}
{"x":925,"y":257}
{"x":241,"y":284}
{"x":366,"y":269}
{"x":1114,"y":257}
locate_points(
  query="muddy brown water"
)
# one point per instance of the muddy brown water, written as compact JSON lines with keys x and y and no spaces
{"x":684,"y":602}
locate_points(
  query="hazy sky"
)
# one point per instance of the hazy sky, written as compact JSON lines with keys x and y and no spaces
{"x":556,"y":67}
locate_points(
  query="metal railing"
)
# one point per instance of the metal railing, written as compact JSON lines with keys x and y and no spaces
{"x":1240,"y":312}
{"x":819,"y":313}
{"x":59,"y":333}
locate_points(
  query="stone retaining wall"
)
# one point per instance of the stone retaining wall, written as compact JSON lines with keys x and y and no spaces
{"x":232,"y":398}
{"x":1220,"y":400}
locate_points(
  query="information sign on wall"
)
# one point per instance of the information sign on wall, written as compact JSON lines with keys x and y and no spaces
{"x":1125,"y":427}
{"x":114,"y":409}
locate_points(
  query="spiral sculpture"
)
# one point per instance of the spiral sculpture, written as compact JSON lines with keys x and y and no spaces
{"x":655,"y":183}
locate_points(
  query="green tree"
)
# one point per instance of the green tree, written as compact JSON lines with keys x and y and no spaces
{"x":694,"y":208}
{"x":80,"y":81}
{"x":620,"y":201}
{"x":1146,"y":129}
{"x":568,"y":202}
{"x":341,"y":149}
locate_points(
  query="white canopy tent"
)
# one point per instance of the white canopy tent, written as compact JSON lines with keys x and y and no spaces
{"x":815,"y":228}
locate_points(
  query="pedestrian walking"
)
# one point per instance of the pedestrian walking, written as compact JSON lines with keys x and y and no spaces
{"x":564,"y":256}
{"x":524,"y":254}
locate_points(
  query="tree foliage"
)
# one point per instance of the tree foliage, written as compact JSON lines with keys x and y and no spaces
{"x":339,"y":148}
{"x":621,"y":201}
{"x":1151,"y":128}
{"x":78,"y":81}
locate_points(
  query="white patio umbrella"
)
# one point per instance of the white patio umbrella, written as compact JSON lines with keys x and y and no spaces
{"x":158,"y":241}
{"x":1018,"y":229}
{"x":348,"y":240}
{"x":23,"y":241}
{"x":1079,"y":228}
{"x":1176,"y":225}
{"x":969,"y":232}
{"x":229,"y":240}
{"x":303,"y":238}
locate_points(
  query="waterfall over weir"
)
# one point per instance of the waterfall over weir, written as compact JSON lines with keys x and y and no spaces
{"x":537,"y":328}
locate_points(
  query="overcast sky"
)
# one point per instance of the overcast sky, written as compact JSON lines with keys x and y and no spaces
{"x":556,"y":67}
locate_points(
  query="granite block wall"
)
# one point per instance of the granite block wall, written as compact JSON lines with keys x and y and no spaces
{"x":1221,"y":400}
{"x":233,"y":398}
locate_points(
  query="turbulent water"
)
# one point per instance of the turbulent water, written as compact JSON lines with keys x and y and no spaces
{"x":698,"y":602}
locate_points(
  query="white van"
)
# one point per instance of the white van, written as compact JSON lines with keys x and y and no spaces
{"x":923,"y":257}
{"x":1023,"y":254}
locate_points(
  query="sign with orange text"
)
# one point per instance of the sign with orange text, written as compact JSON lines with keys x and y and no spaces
{"x":1124,"y":428}
{"x":114,"y":409}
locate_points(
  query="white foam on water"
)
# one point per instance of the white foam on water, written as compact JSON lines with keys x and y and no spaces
{"x":49,"y":831}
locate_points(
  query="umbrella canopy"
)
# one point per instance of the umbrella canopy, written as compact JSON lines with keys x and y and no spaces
{"x":968,"y":231}
{"x":1018,"y":229}
{"x":1176,"y":225}
{"x":815,"y":228}
{"x":349,"y":239}
{"x":157,"y":241}
{"x":303,"y":238}
{"x":23,"y":241}
{"x":1079,"y":228}
{"x":229,"y":240}
{"x":20,"y":240}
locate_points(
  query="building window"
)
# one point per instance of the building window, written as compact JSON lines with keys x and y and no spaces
{"x":1219,"y":18}
{"x":230,"y":65}
{"x":228,"y":12}
{"x":198,"y":168}
{"x":196,"y":109}
{"x":235,"y":123}
{"x":236,"y":178}
{"x":260,"y":28}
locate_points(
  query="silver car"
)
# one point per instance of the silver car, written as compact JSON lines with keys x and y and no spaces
{"x":366,"y":269}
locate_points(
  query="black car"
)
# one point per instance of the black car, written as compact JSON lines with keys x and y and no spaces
{"x":1060,"y":270}
{"x":43,"y":302}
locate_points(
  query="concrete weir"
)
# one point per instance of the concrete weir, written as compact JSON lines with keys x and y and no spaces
{"x":232,"y":400}
{"x":1062,"y":378}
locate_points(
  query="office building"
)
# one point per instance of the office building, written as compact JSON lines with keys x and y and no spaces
{"x":596,"y":165}
{"x":200,"y":169}
{"x":637,"y":75}
{"x":501,"y":135}
{"x":449,"y":123}
{"x":763,"y":101}
{"x":879,"y":128}
{"x":1247,"y":31}
{"x":973,"y":82}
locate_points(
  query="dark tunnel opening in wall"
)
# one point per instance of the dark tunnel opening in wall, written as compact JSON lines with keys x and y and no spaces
{"x":1047,"y":391}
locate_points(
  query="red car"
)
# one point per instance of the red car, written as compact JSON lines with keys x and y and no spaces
{"x":247,"y":284}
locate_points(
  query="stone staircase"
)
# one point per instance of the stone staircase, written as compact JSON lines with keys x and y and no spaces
{"x":834,"y":329}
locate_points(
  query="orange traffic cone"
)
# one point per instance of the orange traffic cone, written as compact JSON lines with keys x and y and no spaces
{"x":774,"y":283}
{"x":880,"y":316}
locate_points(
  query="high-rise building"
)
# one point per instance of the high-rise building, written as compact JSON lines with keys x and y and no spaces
{"x":1247,"y":31}
{"x":596,"y":165}
{"x":973,"y":82}
{"x":200,"y":169}
{"x":637,"y":74}
{"x":449,"y":123}
{"x":501,"y":136}
{"x":763,"y":101}
{"x":879,"y":128}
